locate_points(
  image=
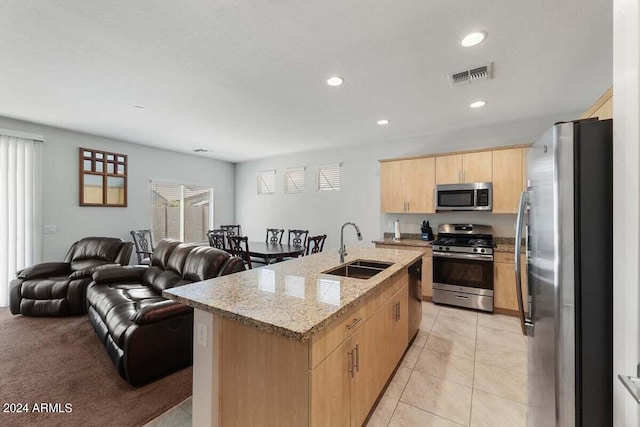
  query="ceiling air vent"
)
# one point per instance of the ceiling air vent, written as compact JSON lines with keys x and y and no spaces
{"x":471,"y":76}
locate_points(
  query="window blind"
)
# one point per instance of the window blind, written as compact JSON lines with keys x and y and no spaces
{"x":267,"y":182}
{"x":328,"y":177}
{"x":294,"y":180}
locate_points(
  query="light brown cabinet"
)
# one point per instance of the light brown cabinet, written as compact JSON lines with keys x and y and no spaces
{"x":504,"y":283}
{"x":406,"y":186}
{"x":508,"y":177}
{"x":331,"y":389}
{"x":346,"y":384}
{"x":393,"y":183}
{"x":464,"y":168}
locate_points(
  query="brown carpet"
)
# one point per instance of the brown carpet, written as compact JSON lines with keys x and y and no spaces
{"x":61,"y":360}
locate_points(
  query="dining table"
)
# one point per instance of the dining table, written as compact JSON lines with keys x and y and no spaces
{"x":271,"y":251}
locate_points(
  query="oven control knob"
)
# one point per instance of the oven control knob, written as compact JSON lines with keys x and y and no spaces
{"x":475,"y":249}
{"x":447,"y":248}
{"x":482,"y":250}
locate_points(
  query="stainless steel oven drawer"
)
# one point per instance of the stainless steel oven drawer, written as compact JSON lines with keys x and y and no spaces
{"x":461,"y":299}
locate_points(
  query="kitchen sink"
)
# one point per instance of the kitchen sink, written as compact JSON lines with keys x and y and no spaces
{"x":359,"y":269}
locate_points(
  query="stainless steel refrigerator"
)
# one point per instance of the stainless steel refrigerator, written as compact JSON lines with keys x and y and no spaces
{"x":566,"y":217}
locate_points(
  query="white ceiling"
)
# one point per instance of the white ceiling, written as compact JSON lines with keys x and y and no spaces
{"x":246,"y":78}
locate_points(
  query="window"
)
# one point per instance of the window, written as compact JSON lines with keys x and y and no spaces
{"x":294,"y":180}
{"x":103,"y":178}
{"x":267,"y":182}
{"x":20,"y":205}
{"x":180,"y":211}
{"x":328,"y":177}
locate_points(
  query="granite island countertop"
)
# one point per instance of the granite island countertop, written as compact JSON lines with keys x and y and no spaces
{"x":295,"y":298}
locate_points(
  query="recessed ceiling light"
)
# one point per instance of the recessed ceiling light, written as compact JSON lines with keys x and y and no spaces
{"x":473,"y":39}
{"x":138,"y":107}
{"x":200,"y":150}
{"x":335,"y":81}
{"x":478,"y":104}
{"x":383,"y":122}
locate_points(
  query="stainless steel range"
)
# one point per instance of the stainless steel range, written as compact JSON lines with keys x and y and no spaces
{"x":463,"y":266}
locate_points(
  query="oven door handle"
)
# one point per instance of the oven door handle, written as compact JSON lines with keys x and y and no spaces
{"x":476,"y":257}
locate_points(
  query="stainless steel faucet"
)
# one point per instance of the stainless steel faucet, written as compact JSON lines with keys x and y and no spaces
{"x":343,"y":249}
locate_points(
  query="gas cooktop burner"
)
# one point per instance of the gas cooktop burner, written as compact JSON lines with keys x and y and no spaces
{"x":480,"y":243}
{"x":464,"y":238}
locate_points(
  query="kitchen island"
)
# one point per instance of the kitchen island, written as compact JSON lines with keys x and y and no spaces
{"x":288,"y":344}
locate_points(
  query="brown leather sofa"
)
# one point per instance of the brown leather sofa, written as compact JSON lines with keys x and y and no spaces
{"x":146,"y":335}
{"x":59,"y":288}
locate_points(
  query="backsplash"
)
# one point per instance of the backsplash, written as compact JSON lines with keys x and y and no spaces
{"x":413,"y":236}
{"x":503,"y":224}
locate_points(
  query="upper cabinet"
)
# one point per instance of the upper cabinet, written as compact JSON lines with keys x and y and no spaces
{"x":406,"y":186}
{"x":508,"y":176}
{"x":602,"y":108}
{"x":393,"y":183}
{"x":476,"y":167}
{"x":464,"y":168}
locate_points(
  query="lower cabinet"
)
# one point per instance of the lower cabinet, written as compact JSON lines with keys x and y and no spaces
{"x":331,"y":389}
{"x":504,"y":283}
{"x":345,"y":385}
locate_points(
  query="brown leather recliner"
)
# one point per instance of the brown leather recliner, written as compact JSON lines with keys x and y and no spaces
{"x":59,"y":288}
{"x":146,"y":335}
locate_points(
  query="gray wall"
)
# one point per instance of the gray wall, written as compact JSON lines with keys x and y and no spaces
{"x":359,"y":197}
{"x":60,"y":186}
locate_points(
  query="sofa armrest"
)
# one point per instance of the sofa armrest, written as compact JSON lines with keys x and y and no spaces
{"x":119,"y":274}
{"x":87,"y":272}
{"x":158,"y":311}
{"x":45,"y":269}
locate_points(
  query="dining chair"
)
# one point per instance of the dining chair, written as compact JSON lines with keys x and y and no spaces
{"x":239,"y":246}
{"x":143,"y":241}
{"x":217,"y":239}
{"x":316,"y":244}
{"x":232,"y":230}
{"x":298,"y":238}
{"x":274,"y":235}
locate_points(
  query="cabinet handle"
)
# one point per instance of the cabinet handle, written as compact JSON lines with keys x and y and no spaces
{"x":398,"y":310}
{"x":357,"y":363}
{"x":353,"y":323}
{"x":350,"y":367}
{"x":407,"y":206}
{"x":394,"y":312}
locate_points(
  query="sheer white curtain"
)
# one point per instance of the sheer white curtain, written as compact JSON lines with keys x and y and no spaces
{"x":20,"y":212}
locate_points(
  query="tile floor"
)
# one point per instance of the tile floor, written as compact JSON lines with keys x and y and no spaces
{"x":464,"y":368}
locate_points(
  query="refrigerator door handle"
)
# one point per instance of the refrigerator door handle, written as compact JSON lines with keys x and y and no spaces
{"x":525,"y":324}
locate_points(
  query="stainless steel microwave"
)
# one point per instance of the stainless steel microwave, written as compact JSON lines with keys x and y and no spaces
{"x":464,"y":197}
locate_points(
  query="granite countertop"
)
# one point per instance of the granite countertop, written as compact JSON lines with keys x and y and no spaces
{"x":502,"y":244}
{"x":505,"y":247}
{"x":404,"y":242}
{"x":293,"y":298}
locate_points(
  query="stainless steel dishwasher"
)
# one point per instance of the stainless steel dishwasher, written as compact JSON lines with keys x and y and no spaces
{"x":415,"y":297}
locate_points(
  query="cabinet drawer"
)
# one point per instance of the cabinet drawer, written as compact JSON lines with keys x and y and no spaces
{"x":328,"y":339}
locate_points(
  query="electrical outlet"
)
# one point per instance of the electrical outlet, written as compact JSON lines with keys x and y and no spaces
{"x":201,"y":335}
{"x":49,"y":229}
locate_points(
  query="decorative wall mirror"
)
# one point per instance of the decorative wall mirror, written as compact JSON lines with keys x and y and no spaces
{"x":103,"y":178}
